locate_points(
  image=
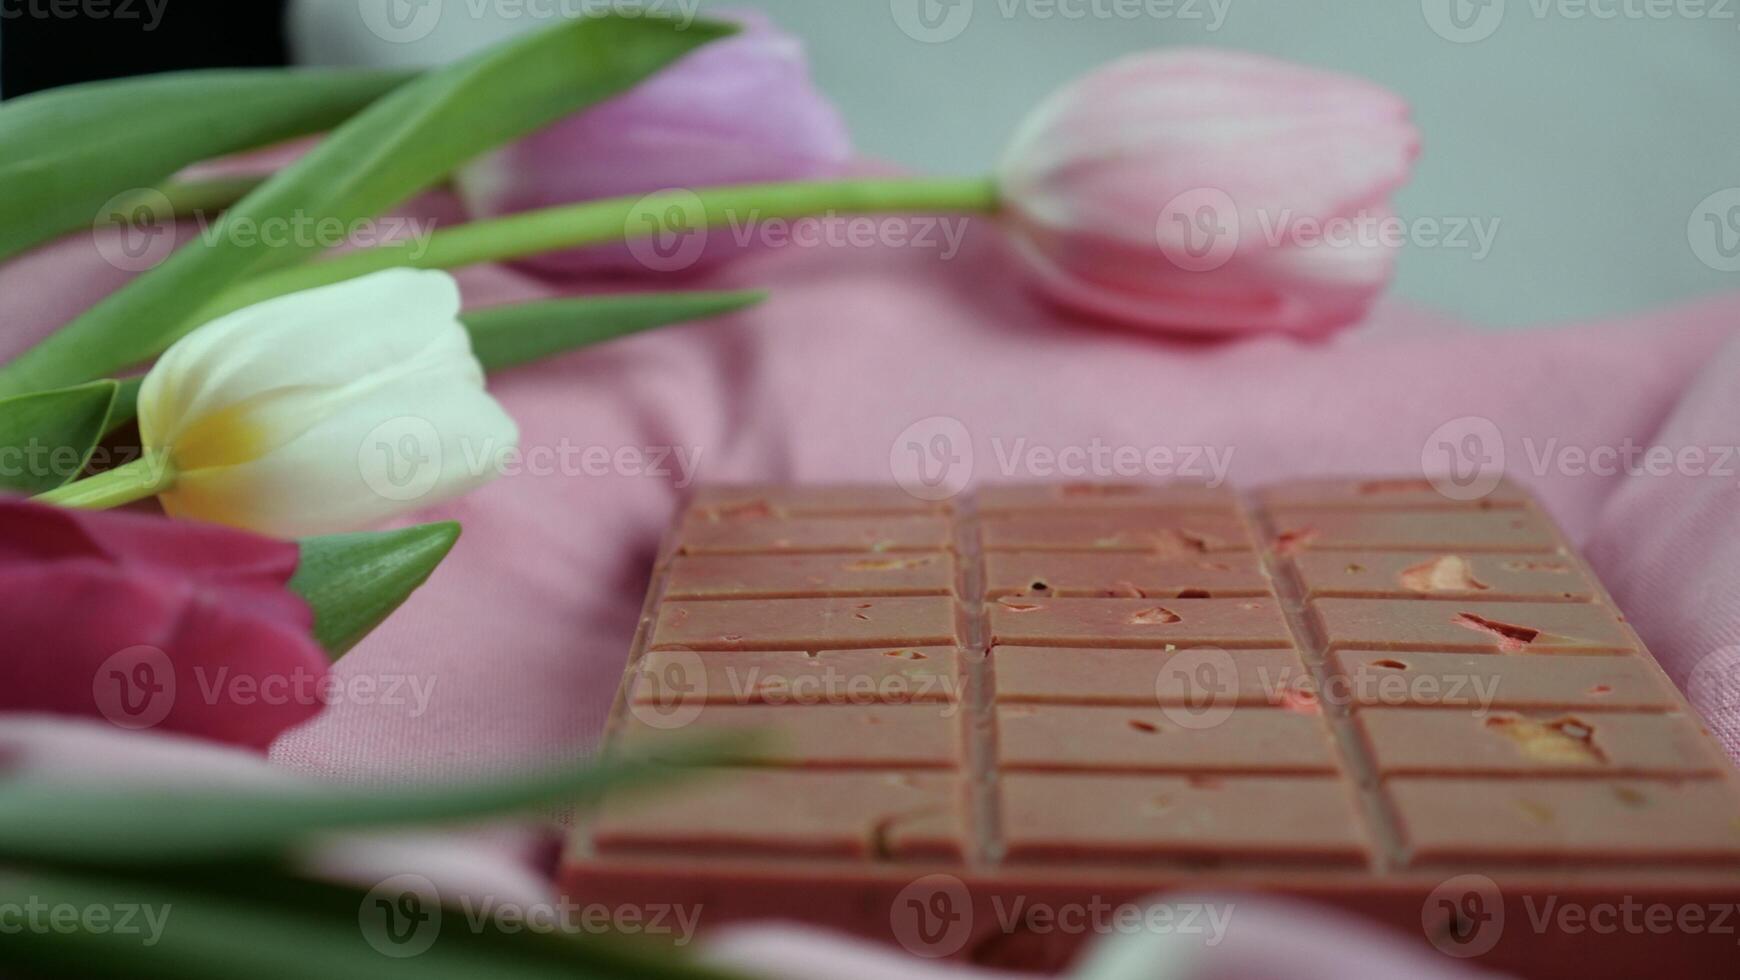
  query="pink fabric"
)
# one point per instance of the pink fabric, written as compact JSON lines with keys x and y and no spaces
{"x":522,"y":631}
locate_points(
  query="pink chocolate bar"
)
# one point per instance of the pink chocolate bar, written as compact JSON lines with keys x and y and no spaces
{"x":1421,"y":710}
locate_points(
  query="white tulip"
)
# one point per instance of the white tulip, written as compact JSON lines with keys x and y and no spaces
{"x":325,"y":410}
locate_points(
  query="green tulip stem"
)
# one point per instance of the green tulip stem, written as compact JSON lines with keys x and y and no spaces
{"x":147,"y":476}
{"x":625,"y":219}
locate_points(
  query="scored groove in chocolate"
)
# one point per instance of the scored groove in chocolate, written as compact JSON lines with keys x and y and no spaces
{"x":1380,"y":825}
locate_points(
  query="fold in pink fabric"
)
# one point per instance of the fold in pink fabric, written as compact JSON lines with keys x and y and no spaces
{"x":864,"y":351}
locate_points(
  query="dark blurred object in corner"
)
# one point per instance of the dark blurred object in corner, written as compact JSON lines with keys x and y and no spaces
{"x":45,"y":43}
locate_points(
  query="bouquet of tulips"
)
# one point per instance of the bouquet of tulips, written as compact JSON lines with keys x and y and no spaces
{"x":280,"y":401}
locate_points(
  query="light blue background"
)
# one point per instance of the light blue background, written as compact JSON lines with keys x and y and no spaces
{"x":1586,"y":132}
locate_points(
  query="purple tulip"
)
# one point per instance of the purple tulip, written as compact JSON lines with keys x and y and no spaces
{"x":740,"y":110}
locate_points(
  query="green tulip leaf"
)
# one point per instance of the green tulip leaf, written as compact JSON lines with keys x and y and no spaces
{"x":403,"y":143}
{"x":519,"y":333}
{"x":505,"y":336}
{"x":354,"y":581}
{"x":68,"y":152}
{"x":264,"y":924}
{"x":52,"y":822}
{"x":46,"y":439}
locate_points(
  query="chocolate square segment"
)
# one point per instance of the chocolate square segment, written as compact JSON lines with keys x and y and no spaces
{"x":1536,"y":628}
{"x":809,"y":576}
{"x":816,"y":535}
{"x":806,"y":624}
{"x":828,"y":736}
{"x":1492,"y":821}
{"x":1235,"y":819}
{"x":1126,"y":575}
{"x":1386,"y":493}
{"x":1160,"y":532}
{"x":773,"y":502}
{"x":1163,"y":623}
{"x":1202,"y":738}
{"x":1457,"y":532}
{"x":1547,"y":577}
{"x":1355,"y":691}
{"x":1478,"y":680}
{"x":1206,"y":677}
{"x":1068,"y":498}
{"x":860,"y":815}
{"x":1450,"y":742}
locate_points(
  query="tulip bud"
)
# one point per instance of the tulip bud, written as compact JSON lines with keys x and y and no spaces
{"x":1211,"y":192}
{"x":154,"y":624}
{"x":740,"y":110}
{"x":325,"y":410}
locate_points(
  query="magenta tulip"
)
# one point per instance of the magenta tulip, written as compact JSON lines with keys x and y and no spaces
{"x":1211,"y":192}
{"x":156,"y":624}
{"x":738,"y":111}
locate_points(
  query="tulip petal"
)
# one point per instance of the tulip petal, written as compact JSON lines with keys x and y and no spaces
{"x":1210,"y":191}
{"x":319,"y":338}
{"x":326,"y":410}
{"x":410,"y":442}
{"x":152,"y":652}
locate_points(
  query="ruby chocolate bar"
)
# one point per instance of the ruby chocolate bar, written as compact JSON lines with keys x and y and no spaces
{"x":1042,"y":698}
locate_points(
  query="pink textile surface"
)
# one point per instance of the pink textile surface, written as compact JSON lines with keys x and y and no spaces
{"x":520,"y":635}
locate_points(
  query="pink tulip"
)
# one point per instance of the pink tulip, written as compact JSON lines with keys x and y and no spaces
{"x":736,"y":111}
{"x":155,"y":624}
{"x":1211,"y":192}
